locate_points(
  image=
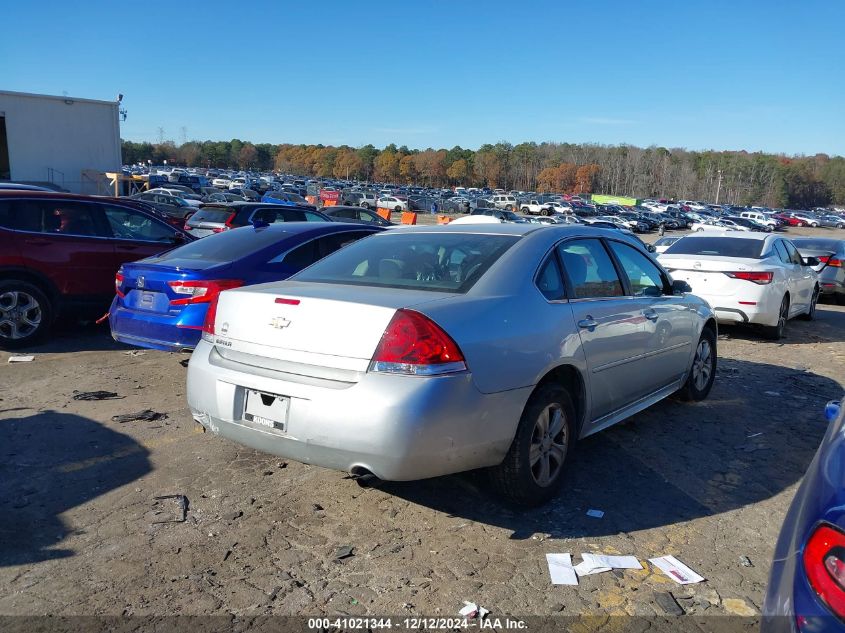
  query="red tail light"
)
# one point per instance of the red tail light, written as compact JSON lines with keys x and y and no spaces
{"x":414,"y":344}
{"x":201,"y":291}
{"x":824,"y":564}
{"x":210,"y":318}
{"x":831,"y":261}
{"x":118,"y":283}
{"x":761,"y":278}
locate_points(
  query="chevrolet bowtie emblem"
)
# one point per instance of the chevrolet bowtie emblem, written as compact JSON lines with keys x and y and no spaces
{"x":279,"y":322}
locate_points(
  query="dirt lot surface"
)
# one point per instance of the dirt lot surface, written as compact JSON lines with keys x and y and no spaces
{"x":82,"y":533}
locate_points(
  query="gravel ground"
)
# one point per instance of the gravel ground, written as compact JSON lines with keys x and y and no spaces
{"x":82,"y":533}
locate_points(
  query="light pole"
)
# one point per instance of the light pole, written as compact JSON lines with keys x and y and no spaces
{"x":719,"y":185}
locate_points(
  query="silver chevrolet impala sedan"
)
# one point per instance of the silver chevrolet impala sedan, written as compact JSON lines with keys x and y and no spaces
{"x":432,"y":350}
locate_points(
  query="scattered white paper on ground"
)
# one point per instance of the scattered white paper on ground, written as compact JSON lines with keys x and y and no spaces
{"x":586,"y":568}
{"x":613,"y":562}
{"x":561,"y":570}
{"x":469,"y":610}
{"x":21,"y":359}
{"x":596,"y":514}
{"x":676,"y":570}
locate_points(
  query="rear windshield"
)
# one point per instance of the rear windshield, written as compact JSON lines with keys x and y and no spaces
{"x":441,"y":262}
{"x":211,"y":215}
{"x":285,"y":214}
{"x":228,"y":246}
{"x":817,"y":245}
{"x":722,"y":246}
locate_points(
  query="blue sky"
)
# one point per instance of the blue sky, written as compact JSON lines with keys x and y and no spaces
{"x":753,"y":74}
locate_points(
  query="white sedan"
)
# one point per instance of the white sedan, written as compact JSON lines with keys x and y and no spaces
{"x":752,"y":277}
{"x":392,"y":203}
{"x":711,"y":226}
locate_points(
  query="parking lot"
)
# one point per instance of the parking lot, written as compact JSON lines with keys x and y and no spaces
{"x":82,"y":533}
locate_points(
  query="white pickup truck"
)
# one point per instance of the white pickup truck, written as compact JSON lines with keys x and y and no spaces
{"x":535,"y":207}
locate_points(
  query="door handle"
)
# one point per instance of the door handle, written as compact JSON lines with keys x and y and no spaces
{"x":588,"y":324}
{"x":651,"y":314}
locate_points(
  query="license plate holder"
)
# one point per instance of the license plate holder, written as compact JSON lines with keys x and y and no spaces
{"x":266,"y":411}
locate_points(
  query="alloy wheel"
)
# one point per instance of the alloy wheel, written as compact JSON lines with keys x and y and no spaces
{"x":20,"y":315}
{"x":549,"y":444}
{"x":702,"y":364}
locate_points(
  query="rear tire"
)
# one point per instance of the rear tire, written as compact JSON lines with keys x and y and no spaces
{"x":532,"y":471}
{"x":775,"y":332}
{"x":25,"y":314}
{"x":810,"y":314}
{"x":546,"y":212}
{"x":702,"y":374}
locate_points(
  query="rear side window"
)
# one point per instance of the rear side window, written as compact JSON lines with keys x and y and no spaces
{"x":720,"y":246}
{"x":780,"y":250}
{"x":590,"y":269}
{"x":61,"y":217}
{"x":440,"y":262}
{"x":549,"y":281}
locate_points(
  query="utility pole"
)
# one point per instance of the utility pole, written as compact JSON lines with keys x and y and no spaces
{"x":719,"y":186}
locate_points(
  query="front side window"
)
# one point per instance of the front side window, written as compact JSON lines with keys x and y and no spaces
{"x":644,"y":276}
{"x":128,"y":224}
{"x":590,"y":269}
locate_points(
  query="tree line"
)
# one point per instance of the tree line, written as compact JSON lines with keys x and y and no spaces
{"x":736,"y":177}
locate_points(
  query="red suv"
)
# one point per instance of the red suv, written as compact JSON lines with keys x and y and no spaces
{"x":59,"y":254}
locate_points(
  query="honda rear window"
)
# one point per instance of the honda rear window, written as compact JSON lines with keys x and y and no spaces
{"x":440,"y":262}
{"x":227,"y":246}
{"x":211,"y":215}
{"x":720,"y":246}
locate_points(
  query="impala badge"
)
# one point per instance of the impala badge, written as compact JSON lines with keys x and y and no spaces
{"x":139,"y":283}
{"x":279,"y":322}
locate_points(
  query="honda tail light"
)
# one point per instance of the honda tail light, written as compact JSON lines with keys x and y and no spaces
{"x":824,"y":564}
{"x":413,"y":344}
{"x":210,"y":317}
{"x":118,"y":284}
{"x":833,"y":262}
{"x":201,"y":291}
{"x":756,"y":277}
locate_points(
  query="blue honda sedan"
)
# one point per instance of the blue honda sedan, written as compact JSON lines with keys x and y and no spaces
{"x":807,"y":582}
{"x":161,"y":301}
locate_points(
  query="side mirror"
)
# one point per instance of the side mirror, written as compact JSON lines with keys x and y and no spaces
{"x":651,"y":248}
{"x":680,"y":287}
{"x":811,"y":261}
{"x":179,"y":238}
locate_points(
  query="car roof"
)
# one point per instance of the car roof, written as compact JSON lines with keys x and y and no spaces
{"x":747,"y":235}
{"x":297,"y":228}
